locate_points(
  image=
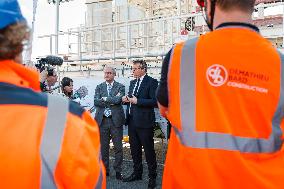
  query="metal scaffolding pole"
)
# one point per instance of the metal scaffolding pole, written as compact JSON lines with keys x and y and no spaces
{"x":178,"y":14}
{"x":56,"y":37}
{"x":57,"y":26}
{"x":283,"y":28}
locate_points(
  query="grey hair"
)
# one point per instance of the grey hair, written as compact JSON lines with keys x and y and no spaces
{"x":112,"y":69}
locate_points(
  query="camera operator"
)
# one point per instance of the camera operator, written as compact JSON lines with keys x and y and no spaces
{"x":48,"y":79}
{"x":48,"y":75}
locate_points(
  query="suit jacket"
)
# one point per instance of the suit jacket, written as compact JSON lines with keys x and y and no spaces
{"x":143,"y":112}
{"x":113,"y":102}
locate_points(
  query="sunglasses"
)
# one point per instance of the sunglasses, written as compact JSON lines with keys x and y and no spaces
{"x":201,"y":3}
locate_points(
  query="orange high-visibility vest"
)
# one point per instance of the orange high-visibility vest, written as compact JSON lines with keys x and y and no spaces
{"x":45,"y":141}
{"x":226,"y":106}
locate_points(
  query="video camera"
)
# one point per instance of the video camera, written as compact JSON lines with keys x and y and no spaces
{"x":46,"y":63}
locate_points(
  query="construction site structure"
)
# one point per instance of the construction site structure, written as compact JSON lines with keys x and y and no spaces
{"x":117,"y":31}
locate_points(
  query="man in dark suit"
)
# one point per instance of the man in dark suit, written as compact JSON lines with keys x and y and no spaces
{"x":111,"y":118}
{"x":141,"y":120}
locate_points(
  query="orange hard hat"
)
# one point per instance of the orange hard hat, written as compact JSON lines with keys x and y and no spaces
{"x":201,"y":3}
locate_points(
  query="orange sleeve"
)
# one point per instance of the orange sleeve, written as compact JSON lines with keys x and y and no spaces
{"x":79,"y":165}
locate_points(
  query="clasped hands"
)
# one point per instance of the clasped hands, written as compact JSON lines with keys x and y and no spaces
{"x":127,"y":99}
{"x":104,"y":99}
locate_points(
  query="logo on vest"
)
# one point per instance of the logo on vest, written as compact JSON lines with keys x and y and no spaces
{"x":217,"y":75}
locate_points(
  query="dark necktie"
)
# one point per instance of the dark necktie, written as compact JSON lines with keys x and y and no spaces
{"x":136,"y":87}
{"x":135,"y":94}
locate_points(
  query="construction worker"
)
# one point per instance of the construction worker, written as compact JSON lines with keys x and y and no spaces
{"x":226,"y":105}
{"x":46,"y":142}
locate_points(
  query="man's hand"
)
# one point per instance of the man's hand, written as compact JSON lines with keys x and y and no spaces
{"x":133,"y":100}
{"x":125,"y":99}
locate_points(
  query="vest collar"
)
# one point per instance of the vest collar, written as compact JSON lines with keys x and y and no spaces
{"x":238,"y":25}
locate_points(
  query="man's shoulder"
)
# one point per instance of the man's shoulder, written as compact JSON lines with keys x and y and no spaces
{"x":73,"y":107}
{"x":76,"y":109}
{"x":25,"y":96}
{"x":119,"y":84}
{"x":12,"y":94}
{"x":132,"y":81}
{"x":151,"y":79}
{"x":101,"y":84}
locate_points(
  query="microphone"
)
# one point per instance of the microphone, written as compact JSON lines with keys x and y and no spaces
{"x":81,"y":92}
{"x":53,"y":60}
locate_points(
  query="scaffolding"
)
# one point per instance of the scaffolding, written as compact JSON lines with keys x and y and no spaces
{"x":161,"y":24}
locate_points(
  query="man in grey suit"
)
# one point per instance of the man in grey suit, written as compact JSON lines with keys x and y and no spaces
{"x":111,"y":118}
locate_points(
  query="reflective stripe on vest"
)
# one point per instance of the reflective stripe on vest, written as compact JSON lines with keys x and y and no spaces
{"x":213,"y":140}
{"x":52,"y":138}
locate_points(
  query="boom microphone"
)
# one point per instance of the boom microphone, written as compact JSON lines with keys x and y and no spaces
{"x":53,"y":60}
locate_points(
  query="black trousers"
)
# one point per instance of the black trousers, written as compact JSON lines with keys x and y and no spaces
{"x":139,"y":137}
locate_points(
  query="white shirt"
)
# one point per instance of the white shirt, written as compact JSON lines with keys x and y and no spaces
{"x":111,"y":84}
{"x":141,"y":79}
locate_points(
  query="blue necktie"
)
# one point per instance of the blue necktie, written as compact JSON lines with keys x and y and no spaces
{"x":107,"y":111}
{"x":109,"y":89}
